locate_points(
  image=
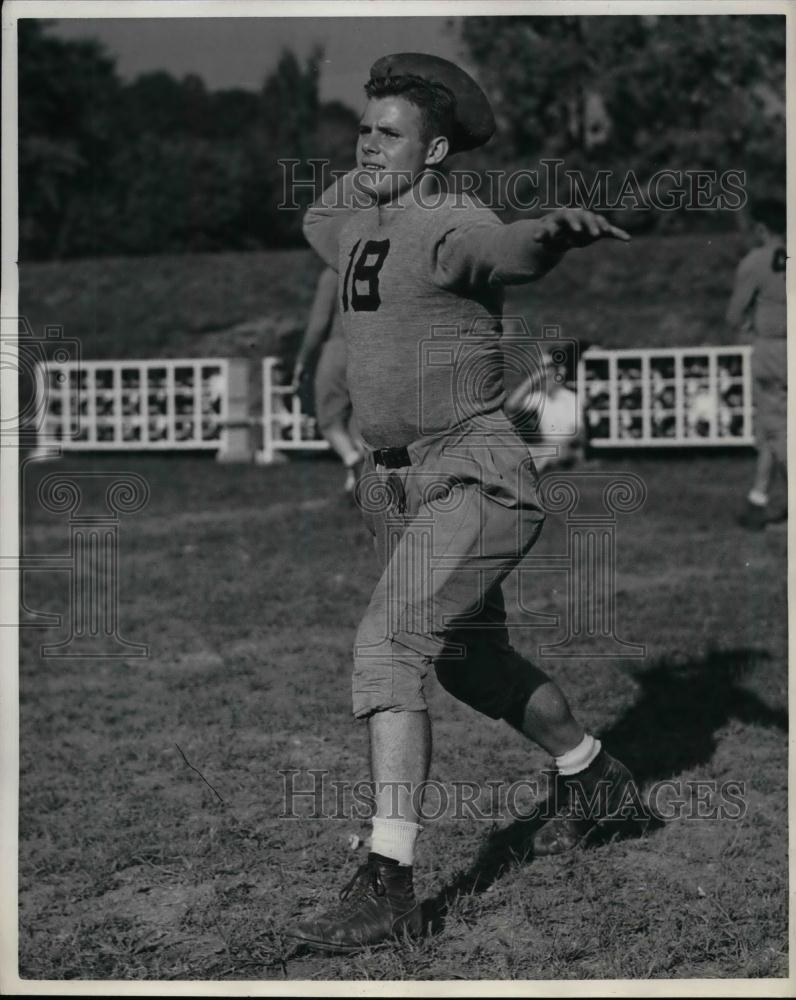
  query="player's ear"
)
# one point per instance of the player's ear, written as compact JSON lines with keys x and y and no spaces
{"x":438,"y":148}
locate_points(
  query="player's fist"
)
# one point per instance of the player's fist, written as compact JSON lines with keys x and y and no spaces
{"x":575,"y":227}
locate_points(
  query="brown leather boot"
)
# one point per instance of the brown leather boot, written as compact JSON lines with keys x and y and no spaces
{"x":604,"y":795}
{"x":377,"y":904}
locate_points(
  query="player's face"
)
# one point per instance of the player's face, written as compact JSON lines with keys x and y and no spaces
{"x":391,"y":146}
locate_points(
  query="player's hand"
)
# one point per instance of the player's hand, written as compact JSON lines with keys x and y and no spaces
{"x":566,"y":228}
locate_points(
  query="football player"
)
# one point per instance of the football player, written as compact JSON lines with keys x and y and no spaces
{"x":759,"y":304}
{"x":449,"y":489}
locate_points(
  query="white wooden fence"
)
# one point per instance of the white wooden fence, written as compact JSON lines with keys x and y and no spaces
{"x":667,"y":397}
{"x":670,"y":397}
{"x":284,"y":426}
{"x":164,"y":405}
{"x":631,"y":398}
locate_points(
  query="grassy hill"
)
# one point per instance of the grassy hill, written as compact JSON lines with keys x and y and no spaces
{"x":656,"y":291}
{"x":231,"y":304}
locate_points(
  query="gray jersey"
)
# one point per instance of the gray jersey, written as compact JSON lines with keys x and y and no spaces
{"x":420,"y":291}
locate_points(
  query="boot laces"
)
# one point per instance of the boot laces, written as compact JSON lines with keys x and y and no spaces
{"x":364,"y":882}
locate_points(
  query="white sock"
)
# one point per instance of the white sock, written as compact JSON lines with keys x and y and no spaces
{"x":395,"y":838}
{"x":758,"y":498}
{"x":578,"y":758}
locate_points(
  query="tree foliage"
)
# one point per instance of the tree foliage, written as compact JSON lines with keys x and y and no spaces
{"x":160,"y":164}
{"x":640,"y":93}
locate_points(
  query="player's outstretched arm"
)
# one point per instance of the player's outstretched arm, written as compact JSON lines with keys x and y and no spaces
{"x":481,"y":250}
{"x":568,"y":228}
{"x":532,"y":248}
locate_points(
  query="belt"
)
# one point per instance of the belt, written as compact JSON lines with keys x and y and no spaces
{"x":391,"y":458}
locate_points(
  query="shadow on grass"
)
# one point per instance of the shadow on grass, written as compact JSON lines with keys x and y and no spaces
{"x":672,"y":726}
{"x":669,"y":729}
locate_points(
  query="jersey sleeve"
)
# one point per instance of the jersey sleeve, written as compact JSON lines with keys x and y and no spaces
{"x":325,"y":218}
{"x":472,"y":248}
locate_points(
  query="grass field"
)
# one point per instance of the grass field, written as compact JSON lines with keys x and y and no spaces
{"x":247,"y":584}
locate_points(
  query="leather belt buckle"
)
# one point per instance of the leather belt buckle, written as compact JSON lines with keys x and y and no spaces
{"x":392,"y":458}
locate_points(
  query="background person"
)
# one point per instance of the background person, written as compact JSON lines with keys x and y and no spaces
{"x":332,"y":401}
{"x":548,"y":415}
{"x":759,"y":306}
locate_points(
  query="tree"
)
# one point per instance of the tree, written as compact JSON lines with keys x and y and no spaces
{"x":638,"y":93}
{"x":160,"y":164}
{"x":293,"y":125}
{"x":67,"y":130}
{"x":176,"y":195}
{"x":232,"y":114}
{"x":154,"y":104}
{"x":290,"y":104}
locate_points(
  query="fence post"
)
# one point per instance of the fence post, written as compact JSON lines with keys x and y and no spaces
{"x":236,"y":434}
